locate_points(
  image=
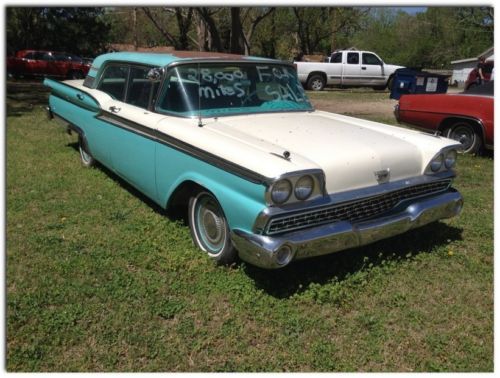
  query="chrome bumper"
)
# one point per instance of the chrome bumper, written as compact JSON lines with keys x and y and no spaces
{"x":268,"y":251}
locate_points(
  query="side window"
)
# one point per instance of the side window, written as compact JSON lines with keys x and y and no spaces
{"x":60,"y":57}
{"x":30,"y":55}
{"x":113,"y":81}
{"x":353,"y":58}
{"x":336,"y":58}
{"x":48,"y":57}
{"x":141,"y":90}
{"x":37,"y":55}
{"x":371,"y":59}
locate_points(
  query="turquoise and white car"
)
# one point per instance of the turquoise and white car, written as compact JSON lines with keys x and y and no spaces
{"x":234,"y":142}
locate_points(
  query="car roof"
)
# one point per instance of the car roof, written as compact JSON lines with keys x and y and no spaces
{"x":164,"y":59}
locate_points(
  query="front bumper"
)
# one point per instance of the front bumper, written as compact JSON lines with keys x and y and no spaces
{"x":270,"y":251}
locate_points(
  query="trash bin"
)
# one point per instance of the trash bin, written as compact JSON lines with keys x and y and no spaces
{"x":408,"y":81}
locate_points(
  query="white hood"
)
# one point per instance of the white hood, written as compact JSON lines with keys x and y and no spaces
{"x":348,"y":150}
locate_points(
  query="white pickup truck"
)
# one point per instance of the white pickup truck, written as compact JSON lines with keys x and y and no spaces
{"x":347,"y":68}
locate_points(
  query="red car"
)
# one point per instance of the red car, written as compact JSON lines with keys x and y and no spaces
{"x":466,"y":117}
{"x":47,"y":63}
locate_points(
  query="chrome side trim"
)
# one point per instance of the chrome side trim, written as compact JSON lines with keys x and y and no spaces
{"x":261,"y":250}
{"x":343,"y":197}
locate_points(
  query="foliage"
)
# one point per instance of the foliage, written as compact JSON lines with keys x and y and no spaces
{"x":80,"y":31}
{"x":430,"y":39}
{"x":99,"y":279}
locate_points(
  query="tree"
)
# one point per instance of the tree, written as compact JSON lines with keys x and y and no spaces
{"x":184,"y":21}
{"x":81,"y":31}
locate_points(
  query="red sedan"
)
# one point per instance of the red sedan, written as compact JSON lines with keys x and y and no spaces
{"x":47,"y":63}
{"x":466,"y":117}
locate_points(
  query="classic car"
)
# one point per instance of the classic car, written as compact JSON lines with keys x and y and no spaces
{"x":466,"y":117}
{"x":234,"y":142}
{"x":47,"y":63}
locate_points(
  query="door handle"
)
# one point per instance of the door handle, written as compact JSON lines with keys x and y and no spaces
{"x":114,"y":109}
{"x":363,"y":68}
{"x":80,"y":96}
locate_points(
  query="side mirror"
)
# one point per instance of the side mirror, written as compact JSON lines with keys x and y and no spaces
{"x":155,"y":74}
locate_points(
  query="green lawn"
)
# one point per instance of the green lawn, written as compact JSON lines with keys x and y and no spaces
{"x":100,"y":279}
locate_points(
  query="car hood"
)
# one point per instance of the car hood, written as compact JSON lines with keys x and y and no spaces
{"x":393,"y":67}
{"x":350,"y":151}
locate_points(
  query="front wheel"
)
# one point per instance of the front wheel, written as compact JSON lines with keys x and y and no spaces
{"x":209,"y":228}
{"x":316,"y":83}
{"x":465,"y":133}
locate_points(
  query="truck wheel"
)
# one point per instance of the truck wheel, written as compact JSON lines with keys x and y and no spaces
{"x":389,"y":83}
{"x":85,"y":156}
{"x":316,"y":83}
{"x":209,"y":228}
{"x":464,"y":132}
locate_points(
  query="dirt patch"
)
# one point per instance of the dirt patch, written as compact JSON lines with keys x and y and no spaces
{"x":377,"y":107}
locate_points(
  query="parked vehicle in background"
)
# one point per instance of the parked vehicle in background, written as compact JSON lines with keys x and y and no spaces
{"x":472,"y":79}
{"x":234,"y":143}
{"x":347,"y":68}
{"x":466,"y":117}
{"x":47,"y":63}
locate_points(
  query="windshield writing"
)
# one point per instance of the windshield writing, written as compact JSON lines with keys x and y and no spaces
{"x":224,"y":89}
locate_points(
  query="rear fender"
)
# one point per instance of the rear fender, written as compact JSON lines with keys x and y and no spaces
{"x":72,"y":94}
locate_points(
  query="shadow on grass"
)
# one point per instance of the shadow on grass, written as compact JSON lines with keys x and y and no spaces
{"x":296,"y":277}
{"x":24,"y":96}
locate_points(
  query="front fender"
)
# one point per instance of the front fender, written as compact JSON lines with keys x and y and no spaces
{"x":241,"y":199}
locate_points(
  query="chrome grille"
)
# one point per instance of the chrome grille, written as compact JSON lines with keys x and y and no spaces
{"x":353,"y":210}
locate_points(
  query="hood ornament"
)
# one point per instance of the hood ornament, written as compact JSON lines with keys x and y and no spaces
{"x":383,"y":176}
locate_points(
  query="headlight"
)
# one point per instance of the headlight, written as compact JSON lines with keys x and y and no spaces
{"x":281,"y":191}
{"x":450,"y":159}
{"x":304,"y":187}
{"x":437,"y":163}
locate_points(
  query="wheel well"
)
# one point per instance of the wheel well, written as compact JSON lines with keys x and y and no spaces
{"x":178,"y":202}
{"x":322,"y":74}
{"x":475,"y":124}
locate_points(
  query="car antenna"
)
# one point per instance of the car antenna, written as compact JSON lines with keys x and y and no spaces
{"x":200,"y":123}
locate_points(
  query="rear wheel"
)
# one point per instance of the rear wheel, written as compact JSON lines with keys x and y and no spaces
{"x":316,"y":82}
{"x":209,"y":228}
{"x":85,"y":156}
{"x":465,"y":133}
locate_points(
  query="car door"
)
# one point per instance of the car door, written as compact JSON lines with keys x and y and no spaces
{"x":37,"y":63}
{"x":372,"y":70}
{"x":352,"y":68}
{"x":335,"y":69}
{"x":131,"y":141}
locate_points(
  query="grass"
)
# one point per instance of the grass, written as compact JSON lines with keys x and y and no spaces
{"x":100,"y":279}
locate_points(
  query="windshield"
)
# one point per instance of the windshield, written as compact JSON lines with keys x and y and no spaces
{"x":219,"y":89}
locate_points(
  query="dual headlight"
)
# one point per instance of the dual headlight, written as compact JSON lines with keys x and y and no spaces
{"x":443,"y":160}
{"x":282,"y":190}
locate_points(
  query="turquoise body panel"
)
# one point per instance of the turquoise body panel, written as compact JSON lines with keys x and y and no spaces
{"x":72,"y":95}
{"x":155,"y":168}
{"x":241,"y":200}
{"x":151,"y":59}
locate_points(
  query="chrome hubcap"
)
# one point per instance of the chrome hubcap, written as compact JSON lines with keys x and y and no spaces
{"x":212,"y":225}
